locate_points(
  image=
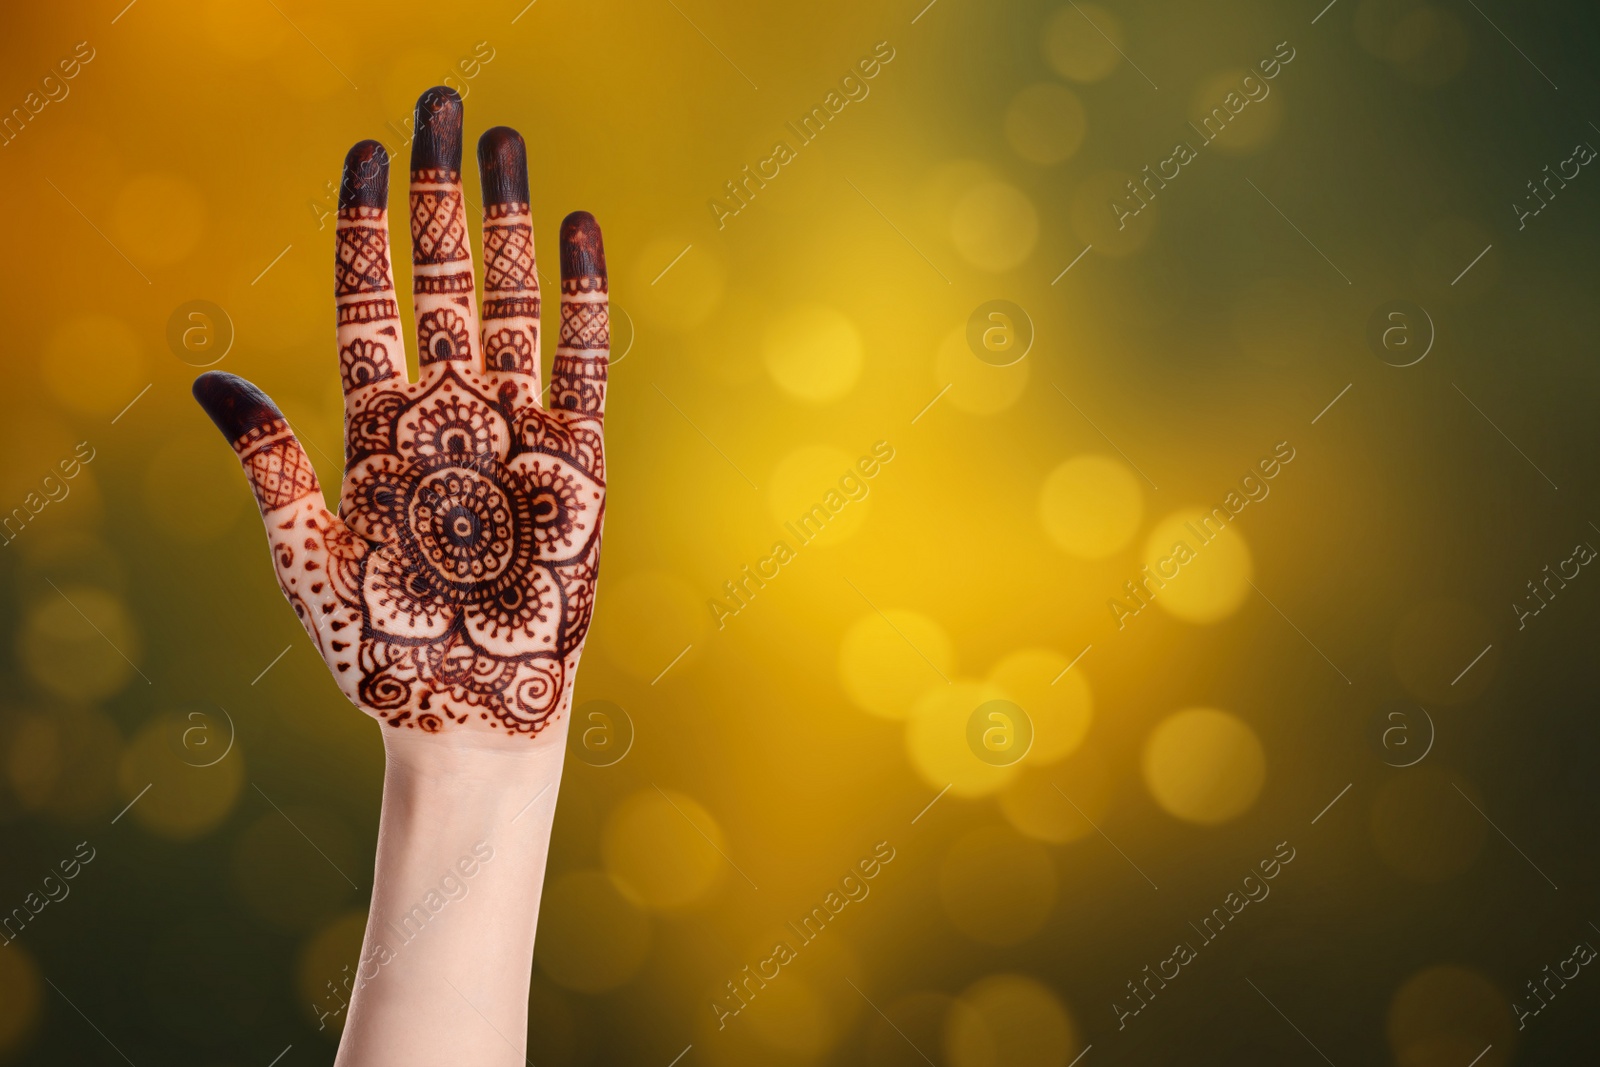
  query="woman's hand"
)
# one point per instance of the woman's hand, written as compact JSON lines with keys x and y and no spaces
{"x":453,"y":590}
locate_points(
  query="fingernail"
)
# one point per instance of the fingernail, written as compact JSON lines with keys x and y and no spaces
{"x":236,"y":406}
{"x":582,"y":252}
{"x":366,"y":177}
{"x":437,"y":144}
{"x":503,"y":162}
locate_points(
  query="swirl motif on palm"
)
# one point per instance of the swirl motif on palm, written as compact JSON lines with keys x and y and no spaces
{"x":455,"y":586}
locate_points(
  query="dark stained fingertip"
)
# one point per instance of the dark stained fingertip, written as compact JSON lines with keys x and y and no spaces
{"x":583,"y":254}
{"x":503,"y":162}
{"x":236,"y":406}
{"x":366,"y":176}
{"x":437,"y":144}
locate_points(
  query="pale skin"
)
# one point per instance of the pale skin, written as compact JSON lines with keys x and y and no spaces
{"x":451,"y":594}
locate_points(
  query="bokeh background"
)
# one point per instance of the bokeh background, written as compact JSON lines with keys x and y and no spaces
{"x":1351,"y":673}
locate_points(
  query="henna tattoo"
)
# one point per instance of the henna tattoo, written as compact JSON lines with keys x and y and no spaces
{"x":443,"y":335}
{"x":455,"y":587}
{"x":510,"y":276}
{"x":368,"y":311}
{"x":363,"y":363}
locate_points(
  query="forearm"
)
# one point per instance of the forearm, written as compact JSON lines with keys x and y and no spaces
{"x":462,"y":841}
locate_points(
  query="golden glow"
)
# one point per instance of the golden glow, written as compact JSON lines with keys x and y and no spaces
{"x":1247,"y":122}
{"x":20,"y":993}
{"x":184,"y":801}
{"x":1204,"y":766}
{"x":329,"y":959}
{"x":1059,"y":704}
{"x":809,"y":476}
{"x":975,"y":386}
{"x":1450,"y":1015}
{"x":813,"y":352}
{"x":1091,"y":506}
{"x":1209,"y":578}
{"x":1009,"y":1020}
{"x":936,"y":739}
{"x":887,"y":661}
{"x":74,"y":643}
{"x":994,"y":226}
{"x":1096,"y":223}
{"x":1081,"y":42}
{"x":1041,"y":807}
{"x":661,"y":848}
{"x":188,"y":488}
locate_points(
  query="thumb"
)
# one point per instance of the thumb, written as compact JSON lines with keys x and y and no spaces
{"x":314,"y":555}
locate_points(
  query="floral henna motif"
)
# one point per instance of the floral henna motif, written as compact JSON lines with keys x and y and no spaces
{"x":456,"y":585}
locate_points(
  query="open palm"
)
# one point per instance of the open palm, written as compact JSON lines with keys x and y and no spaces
{"x":455,"y":586}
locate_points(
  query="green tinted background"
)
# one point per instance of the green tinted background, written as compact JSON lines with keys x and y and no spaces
{"x":1380,"y":585}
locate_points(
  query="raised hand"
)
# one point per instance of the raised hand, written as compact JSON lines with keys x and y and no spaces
{"x":454,"y":588}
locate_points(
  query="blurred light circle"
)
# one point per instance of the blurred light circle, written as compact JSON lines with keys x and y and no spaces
{"x":1045,"y":123}
{"x":183,"y":802}
{"x":1039,"y":807}
{"x":159,"y":218}
{"x":1444,"y":1016}
{"x":93,"y":364}
{"x":592,"y":938}
{"x":1433,"y":651}
{"x":33,"y":759}
{"x":1058,"y":704}
{"x":936,"y":739}
{"x":813,"y":352}
{"x":1428,"y":45}
{"x":676,"y":293}
{"x":1216,"y":579}
{"x":886,"y":661}
{"x":790,"y":1017}
{"x":66,"y":763}
{"x":1204,"y":766}
{"x":601,"y":733}
{"x":1091,"y":506}
{"x":193,"y":491}
{"x":284,"y":878}
{"x":1424,"y":827}
{"x":74,"y":643}
{"x":650,"y":618}
{"x":818,"y":491}
{"x":1081,"y":42}
{"x":994,"y":226}
{"x":999,"y":732}
{"x":1009,"y":1020}
{"x":20,"y":995}
{"x":996,"y":886}
{"x":1093,"y":212}
{"x":328,"y":968}
{"x":999,"y":332}
{"x":664,"y":850}
{"x":976,"y":386}
{"x":1246,"y":130}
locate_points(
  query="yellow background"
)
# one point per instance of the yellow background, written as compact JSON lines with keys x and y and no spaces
{"x":195,"y":158}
